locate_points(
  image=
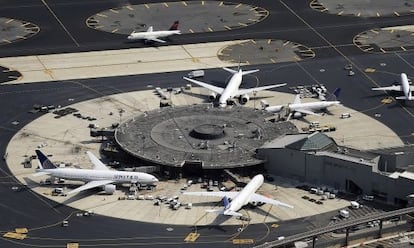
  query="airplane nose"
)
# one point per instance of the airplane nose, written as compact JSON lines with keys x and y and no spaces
{"x":154,"y":179}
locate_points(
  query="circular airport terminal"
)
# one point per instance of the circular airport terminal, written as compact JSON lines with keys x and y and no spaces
{"x":212,"y":138}
{"x":210,"y":134}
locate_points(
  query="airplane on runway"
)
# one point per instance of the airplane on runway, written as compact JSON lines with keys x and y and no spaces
{"x":99,"y":176}
{"x":297,"y":109}
{"x":404,"y":87}
{"x":150,"y":35}
{"x":232,"y":89}
{"x":239,"y":199}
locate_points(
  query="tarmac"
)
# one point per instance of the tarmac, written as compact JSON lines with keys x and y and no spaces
{"x":67,"y":139}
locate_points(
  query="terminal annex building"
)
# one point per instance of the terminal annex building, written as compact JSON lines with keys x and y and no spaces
{"x":199,"y":138}
{"x":387,"y":174}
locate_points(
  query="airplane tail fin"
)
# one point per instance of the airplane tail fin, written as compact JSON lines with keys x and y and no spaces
{"x":249,"y":72}
{"x":226,"y":203}
{"x":174,"y":26}
{"x":44,"y":162}
{"x":150,"y":29}
{"x":334,"y":96}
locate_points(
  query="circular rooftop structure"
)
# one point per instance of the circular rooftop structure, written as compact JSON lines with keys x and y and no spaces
{"x":379,"y":8}
{"x":214,"y":138}
{"x":13,"y":30}
{"x":386,"y":40}
{"x":265,"y":51}
{"x":193,"y":16}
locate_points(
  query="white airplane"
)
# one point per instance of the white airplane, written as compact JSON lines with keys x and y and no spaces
{"x":99,"y":176}
{"x":232,"y":89}
{"x":298,"y":109}
{"x":150,"y":35}
{"x":404,"y":87}
{"x":239,"y":199}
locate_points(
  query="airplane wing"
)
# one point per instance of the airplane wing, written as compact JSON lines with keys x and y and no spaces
{"x":90,"y":185}
{"x":306,"y":111}
{"x":41,"y":173}
{"x":247,"y":91}
{"x":213,"y":88}
{"x":393,"y":87}
{"x":230,"y":195}
{"x":97,"y":164}
{"x":155,"y":39}
{"x":259,"y":198}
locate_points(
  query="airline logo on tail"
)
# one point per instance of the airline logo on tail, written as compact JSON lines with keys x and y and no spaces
{"x":174,"y":26}
{"x":334,"y":95}
{"x":226,"y":203}
{"x":44,"y":161}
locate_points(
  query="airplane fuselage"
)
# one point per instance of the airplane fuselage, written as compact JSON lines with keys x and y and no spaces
{"x":312,"y":106}
{"x":405,"y":86}
{"x":87,"y":175}
{"x":231,"y":89}
{"x":148,"y":35}
{"x":244,"y":196}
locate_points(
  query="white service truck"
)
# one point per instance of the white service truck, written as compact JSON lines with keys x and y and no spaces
{"x":196,"y":74}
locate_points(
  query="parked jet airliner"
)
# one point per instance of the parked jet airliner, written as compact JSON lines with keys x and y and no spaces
{"x":239,"y":199}
{"x":99,"y":176}
{"x":232,"y":89}
{"x":298,"y":109}
{"x":404,"y":87}
{"x":150,"y":35}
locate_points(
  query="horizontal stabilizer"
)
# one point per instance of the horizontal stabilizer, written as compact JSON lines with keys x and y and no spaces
{"x":156,"y":39}
{"x":231,"y":213}
{"x":230,"y":70}
{"x":249,"y":72}
{"x":215,"y":211}
{"x":41,"y":173}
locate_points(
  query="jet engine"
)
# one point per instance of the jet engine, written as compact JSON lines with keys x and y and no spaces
{"x":109,"y":189}
{"x":274,"y":109}
{"x":244,"y":99}
{"x":212,"y":96}
{"x":297,"y":115}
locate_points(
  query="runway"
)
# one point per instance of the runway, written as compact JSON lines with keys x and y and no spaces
{"x":63,"y":29}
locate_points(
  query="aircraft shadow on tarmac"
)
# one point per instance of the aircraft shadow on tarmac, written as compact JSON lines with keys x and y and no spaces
{"x":30,"y":184}
{"x":206,"y":100}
